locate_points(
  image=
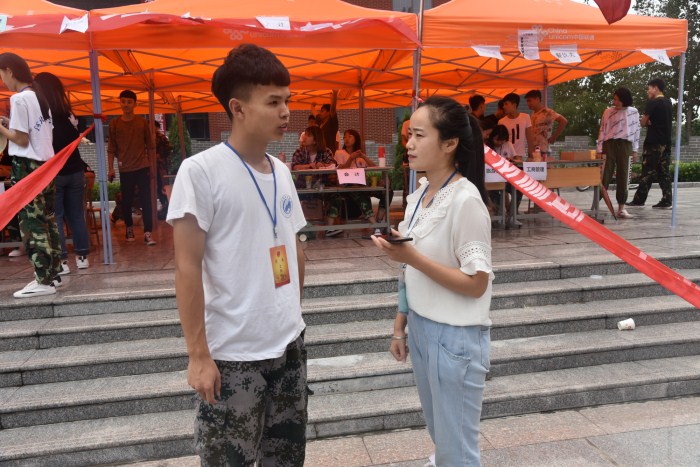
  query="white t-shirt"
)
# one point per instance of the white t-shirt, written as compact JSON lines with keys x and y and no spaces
{"x":25,"y":116}
{"x":516,"y":129}
{"x":506,"y":150}
{"x":247,"y":318}
{"x":455,"y":230}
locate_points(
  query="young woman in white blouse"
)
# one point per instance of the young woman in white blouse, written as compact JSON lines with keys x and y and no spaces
{"x":618,"y":139}
{"x":448,"y":277}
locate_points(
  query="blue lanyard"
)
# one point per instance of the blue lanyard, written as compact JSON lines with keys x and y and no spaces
{"x":26,"y":87}
{"x":273,"y":218}
{"x":410,"y":228}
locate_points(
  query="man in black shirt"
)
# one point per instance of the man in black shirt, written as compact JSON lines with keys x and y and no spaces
{"x":656,"y":155}
{"x":329,"y":122}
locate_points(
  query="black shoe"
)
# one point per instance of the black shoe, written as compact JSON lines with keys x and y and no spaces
{"x":663,"y":205}
{"x":635,"y":204}
{"x":333,"y":233}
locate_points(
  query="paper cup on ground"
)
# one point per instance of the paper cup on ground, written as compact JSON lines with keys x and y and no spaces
{"x":625,"y":324}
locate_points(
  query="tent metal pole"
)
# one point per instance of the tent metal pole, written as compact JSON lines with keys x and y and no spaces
{"x":362,"y":118}
{"x":417,"y":56}
{"x":153,"y":156}
{"x":180,"y":129}
{"x":679,"y":116}
{"x":101,"y":160}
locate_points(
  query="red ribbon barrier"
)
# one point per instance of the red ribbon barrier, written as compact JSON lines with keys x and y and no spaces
{"x":20,"y":194}
{"x":591,"y":229}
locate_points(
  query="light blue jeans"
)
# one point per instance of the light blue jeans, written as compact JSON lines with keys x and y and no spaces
{"x":450,"y":365}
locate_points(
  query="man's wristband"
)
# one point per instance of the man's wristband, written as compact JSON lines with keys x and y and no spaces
{"x":399,"y":338}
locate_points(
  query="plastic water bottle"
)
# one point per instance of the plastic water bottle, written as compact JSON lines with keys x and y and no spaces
{"x":537,"y":154}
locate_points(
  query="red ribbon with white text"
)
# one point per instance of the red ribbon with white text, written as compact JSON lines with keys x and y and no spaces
{"x":591,"y":229}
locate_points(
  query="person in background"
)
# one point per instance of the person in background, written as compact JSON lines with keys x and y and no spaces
{"x":328,"y":121}
{"x":656,"y":152}
{"x":239,"y":273}
{"x":518,"y":125}
{"x":29,"y":134}
{"x":543,"y":119}
{"x":70,"y":181}
{"x":351,"y":156}
{"x":448,"y":276}
{"x":478,"y":106}
{"x":487,"y":124}
{"x":618,"y":139}
{"x":311,"y":122}
{"x":315,"y":155}
{"x":163,"y":152}
{"x":500,"y":110}
{"x":13,"y":226}
{"x":130,"y":143}
{"x":499,"y":141}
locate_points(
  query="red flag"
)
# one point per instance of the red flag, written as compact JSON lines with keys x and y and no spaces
{"x":26,"y":189}
{"x":613,"y":10}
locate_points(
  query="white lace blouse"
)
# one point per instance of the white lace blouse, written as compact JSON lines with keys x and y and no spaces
{"x":455,"y":230}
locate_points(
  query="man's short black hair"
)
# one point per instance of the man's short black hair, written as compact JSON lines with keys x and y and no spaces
{"x":658,"y":82}
{"x":128,"y":94}
{"x":475,"y":101}
{"x":246,"y":66}
{"x":512,"y":97}
{"x":326,"y":107}
{"x":311,"y":117}
{"x":534,"y":93}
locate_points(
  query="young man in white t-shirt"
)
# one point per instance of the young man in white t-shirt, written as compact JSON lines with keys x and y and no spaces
{"x":239,"y":275}
{"x":518,"y":124}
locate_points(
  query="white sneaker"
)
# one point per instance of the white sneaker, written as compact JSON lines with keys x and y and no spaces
{"x":57,"y":282}
{"x":19,"y":251}
{"x":82,"y":262}
{"x":148,"y":239}
{"x":34,"y":289}
{"x":65,"y":269}
{"x":431,"y":461}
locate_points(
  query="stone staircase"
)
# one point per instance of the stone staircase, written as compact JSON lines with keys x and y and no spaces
{"x":102,"y":381}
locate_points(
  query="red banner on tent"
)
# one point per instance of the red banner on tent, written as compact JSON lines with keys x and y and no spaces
{"x":20,"y":194}
{"x":583,"y":224}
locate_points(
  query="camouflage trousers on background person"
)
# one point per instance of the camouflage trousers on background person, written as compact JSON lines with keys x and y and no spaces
{"x":261,"y":415}
{"x":656,"y":162}
{"x":37,"y":225}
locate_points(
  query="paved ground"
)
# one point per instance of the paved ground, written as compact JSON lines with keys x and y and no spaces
{"x":636,"y":434}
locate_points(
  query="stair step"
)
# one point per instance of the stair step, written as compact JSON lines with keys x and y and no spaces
{"x":160,"y":392}
{"x":551,"y":352}
{"x":169,"y":434}
{"x":80,"y":330}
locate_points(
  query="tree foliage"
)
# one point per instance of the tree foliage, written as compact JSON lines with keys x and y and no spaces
{"x":583,"y":101}
{"x":174,"y":137}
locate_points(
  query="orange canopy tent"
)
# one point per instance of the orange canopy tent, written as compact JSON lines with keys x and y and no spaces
{"x":457,"y":36}
{"x":173,"y":46}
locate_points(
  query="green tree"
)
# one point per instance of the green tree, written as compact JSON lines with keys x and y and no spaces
{"x":174,"y":137}
{"x":583,"y":101}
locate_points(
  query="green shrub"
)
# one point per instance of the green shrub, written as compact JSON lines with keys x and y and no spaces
{"x":396,"y":176}
{"x":112,"y":190}
{"x":174,"y":137}
{"x":687,"y":171}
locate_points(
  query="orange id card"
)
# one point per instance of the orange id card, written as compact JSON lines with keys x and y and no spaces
{"x":280,"y":266}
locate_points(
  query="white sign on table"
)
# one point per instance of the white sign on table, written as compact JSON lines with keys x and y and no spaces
{"x":536,"y":170}
{"x":492,"y":176}
{"x":356,"y":176}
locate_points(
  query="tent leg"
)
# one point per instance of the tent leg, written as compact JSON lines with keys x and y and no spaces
{"x":101,"y":160}
{"x":362,"y":119}
{"x":152,"y":157}
{"x":679,"y":116}
{"x":416,"y":83}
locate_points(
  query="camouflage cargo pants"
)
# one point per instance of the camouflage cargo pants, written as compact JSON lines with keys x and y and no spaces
{"x":656,"y":161}
{"x":261,"y":416}
{"x":37,"y":225}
